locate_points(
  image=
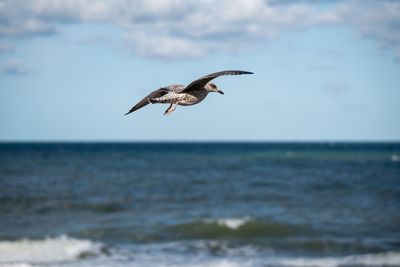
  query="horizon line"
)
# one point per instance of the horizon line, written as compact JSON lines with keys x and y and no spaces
{"x":198,"y":141}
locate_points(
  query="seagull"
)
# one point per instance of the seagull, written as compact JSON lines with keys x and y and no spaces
{"x":178,"y":94}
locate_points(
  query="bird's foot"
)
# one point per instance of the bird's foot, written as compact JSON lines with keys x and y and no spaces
{"x":170,"y":109}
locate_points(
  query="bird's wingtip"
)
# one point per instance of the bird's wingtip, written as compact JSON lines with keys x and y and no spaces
{"x":243,"y":72}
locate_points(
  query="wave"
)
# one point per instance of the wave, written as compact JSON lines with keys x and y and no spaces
{"x":58,"y":249}
{"x":232,"y":223}
{"x":377,"y":259}
{"x":234,"y":228}
{"x":66,"y":251}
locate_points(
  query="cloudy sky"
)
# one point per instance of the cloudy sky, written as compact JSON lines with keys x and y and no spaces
{"x":324,"y":70}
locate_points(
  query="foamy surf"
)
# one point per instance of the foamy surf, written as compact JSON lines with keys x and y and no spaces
{"x":378,"y":259}
{"x":24,"y":252}
{"x":67,"y":252}
{"x":231,"y":223}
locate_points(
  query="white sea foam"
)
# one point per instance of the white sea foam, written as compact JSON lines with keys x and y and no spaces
{"x":65,"y":252}
{"x":21,"y":253}
{"x":232,"y":223}
{"x":378,"y":259}
{"x":15,"y":265}
{"x":221,"y":263}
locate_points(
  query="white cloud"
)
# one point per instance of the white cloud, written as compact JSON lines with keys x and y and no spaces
{"x":14,"y":67}
{"x":379,"y":20}
{"x":18,"y":19}
{"x":184,"y":28}
{"x":164,"y":46}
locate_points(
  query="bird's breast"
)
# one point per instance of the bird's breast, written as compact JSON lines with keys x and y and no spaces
{"x":192,"y":98}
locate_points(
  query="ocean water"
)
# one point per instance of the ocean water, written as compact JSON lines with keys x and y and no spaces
{"x":199,"y":204}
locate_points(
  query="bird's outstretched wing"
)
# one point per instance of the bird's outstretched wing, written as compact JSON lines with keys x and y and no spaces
{"x":157,"y":93}
{"x":200,"y":83}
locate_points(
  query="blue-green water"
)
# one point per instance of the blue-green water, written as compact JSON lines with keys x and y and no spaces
{"x":201,"y":204}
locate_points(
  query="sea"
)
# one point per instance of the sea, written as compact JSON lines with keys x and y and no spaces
{"x":216,"y":204}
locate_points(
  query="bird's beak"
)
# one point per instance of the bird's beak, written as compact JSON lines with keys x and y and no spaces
{"x":219,"y":91}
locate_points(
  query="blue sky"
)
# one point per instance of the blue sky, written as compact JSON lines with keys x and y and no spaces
{"x":326,"y":71}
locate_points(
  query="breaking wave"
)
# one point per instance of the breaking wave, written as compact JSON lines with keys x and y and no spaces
{"x":232,"y":223}
{"x":58,"y":249}
{"x":67,"y":252}
{"x":378,"y":259}
{"x":234,"y":228}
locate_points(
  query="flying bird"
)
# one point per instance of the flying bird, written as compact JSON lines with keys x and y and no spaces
{"x":191,"y":94}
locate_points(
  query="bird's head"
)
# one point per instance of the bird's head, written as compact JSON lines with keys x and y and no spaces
{"x":211,"y":87}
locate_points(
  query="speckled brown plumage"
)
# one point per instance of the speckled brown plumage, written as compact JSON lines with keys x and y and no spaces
{"x":191,"y":94}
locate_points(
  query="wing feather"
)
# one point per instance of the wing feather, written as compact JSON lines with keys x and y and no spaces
{"x":201,"y":82}
{"x":157,"y":93}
